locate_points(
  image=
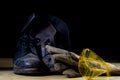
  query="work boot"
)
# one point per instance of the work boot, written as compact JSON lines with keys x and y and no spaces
{"x":31,"y":57}
{"x":26,"y":60}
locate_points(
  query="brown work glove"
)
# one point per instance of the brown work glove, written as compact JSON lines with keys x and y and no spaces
{"x":67,"y":62}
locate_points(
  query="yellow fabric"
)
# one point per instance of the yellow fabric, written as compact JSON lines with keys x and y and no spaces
{"x":90,"y":65}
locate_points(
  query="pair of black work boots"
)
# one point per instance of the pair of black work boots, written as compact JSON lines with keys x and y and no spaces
{"x":31,"y":57}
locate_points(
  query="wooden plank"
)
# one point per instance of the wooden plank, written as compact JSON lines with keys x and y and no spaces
{"x":6,"y":62}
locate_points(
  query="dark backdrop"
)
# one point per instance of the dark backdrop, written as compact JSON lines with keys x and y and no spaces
{"x":91,"y":25}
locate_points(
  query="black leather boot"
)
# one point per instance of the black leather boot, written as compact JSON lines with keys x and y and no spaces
{"x":31,"y":57}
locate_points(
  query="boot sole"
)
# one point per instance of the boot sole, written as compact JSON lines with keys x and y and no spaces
{"x":27,"y":71}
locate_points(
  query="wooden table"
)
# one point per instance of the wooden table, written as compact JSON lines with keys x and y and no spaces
{"x":7,"y":74}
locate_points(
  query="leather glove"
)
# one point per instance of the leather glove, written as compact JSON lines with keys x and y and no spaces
{"x":67,"y":62}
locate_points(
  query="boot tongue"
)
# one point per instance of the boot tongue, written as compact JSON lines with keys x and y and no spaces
{"x":46,"y":34}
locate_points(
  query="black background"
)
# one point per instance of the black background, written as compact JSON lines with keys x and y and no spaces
{"x":93,"y":25}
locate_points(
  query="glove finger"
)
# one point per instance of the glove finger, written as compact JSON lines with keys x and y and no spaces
{"x":65,"y":58}
{"x":71,"y":73}
{"x":60,"y":67}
